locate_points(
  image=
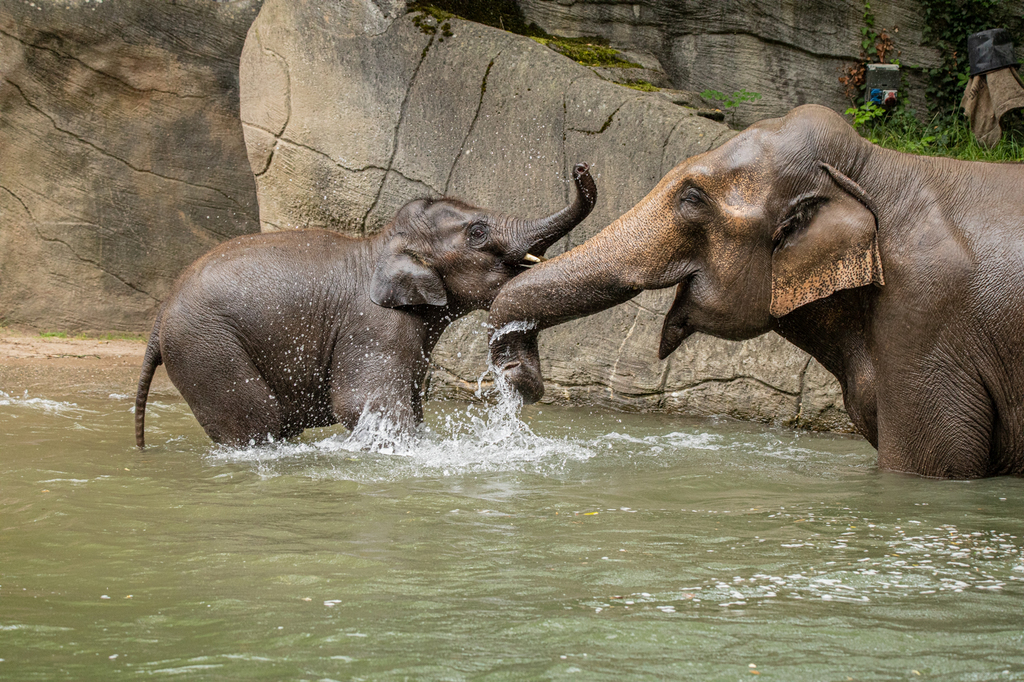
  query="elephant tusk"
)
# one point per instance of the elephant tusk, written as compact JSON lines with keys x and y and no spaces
{"x":530,"y":258}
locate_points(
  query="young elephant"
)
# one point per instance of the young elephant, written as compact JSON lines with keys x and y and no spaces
{"x":269,"y":334}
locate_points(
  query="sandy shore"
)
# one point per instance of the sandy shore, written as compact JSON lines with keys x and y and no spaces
{"x":51,"y":367}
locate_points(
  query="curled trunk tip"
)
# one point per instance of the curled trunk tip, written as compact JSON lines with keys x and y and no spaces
{"x":544,"y":232}
{"x":585,"y":186}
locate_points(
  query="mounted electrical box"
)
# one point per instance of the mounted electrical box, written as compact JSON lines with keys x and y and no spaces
{"x":882,"y":82}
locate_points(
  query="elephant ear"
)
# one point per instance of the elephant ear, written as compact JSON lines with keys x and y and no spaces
{"x":833,"y":246}
{"x":400,"y":279}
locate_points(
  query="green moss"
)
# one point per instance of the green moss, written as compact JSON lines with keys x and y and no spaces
{"x":506,"y":15}
{"x":641,"y":85}
{"x":503,"y":14}
{"x":437,"y":13}
{"x":729,"y":101}
{"x":589,"y":51}
{"x":427,"y":12}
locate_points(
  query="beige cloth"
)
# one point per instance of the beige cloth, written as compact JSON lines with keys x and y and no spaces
{"x":987,"y":98}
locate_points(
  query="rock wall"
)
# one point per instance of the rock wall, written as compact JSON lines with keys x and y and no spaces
{"x":353,"y":108}
{"x":791,"y":53}
{"x":121,"y":154}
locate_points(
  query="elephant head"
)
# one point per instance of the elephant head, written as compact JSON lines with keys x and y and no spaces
{"x":747,"y":232}
{"x":451,"y":255}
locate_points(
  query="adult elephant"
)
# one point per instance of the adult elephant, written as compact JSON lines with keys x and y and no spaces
{"x":270,"y":334}
{"x":902,"y":275}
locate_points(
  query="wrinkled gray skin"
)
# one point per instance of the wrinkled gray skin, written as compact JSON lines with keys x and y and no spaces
{"x":269,"y":334}
{"x":902,"y":275}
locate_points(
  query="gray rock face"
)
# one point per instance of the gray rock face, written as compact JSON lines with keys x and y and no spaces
{"x":790,"y":53}
{"x":121,"y":154}
{"x":350,"y":110}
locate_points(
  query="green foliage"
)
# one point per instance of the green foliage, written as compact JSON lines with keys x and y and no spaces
{"x":866,"y":115}
{"x":901,"y":130}
{"x":867,"y":32}
{"x":730,"y":101}
{"x":875,"y":46}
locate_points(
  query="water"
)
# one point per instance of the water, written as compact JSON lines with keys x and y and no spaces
{"x":579,"y":545}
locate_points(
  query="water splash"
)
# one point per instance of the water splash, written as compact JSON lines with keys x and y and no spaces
{"x":481,"y":437}
{"x":375,"y":432}
{"x":513,"y":327}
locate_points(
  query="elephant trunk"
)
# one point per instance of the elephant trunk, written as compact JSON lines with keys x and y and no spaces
{"x":610,"y":268}
{"x":534,"y":237}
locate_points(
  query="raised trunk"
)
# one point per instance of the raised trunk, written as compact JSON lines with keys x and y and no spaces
{"x":534,"y":237}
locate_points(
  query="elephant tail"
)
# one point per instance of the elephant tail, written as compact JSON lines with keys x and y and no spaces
{"x":150,"y":362}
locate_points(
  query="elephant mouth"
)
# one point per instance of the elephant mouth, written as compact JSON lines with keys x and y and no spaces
{"x":526,"y":380}
{"x":676,"y":328}
{"x":521,"y":263}
{"x":518,"y":359}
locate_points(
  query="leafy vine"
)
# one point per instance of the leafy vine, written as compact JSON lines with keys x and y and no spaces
{"x":875,"y":47}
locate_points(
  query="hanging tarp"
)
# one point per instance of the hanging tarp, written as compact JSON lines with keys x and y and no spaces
{"x":995,"y":86}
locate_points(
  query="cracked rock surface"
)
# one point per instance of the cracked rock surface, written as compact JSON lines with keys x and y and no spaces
{"x":350,"y":110}
{"x":121,"y":155}
{"x":790,"y":53}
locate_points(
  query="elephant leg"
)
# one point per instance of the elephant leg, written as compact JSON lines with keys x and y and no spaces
{"x":1008,"y":435}
{"x":383,"y":387}
{"x":228,"y":395}
{"x":396,"y":405}
{"x":943,"y":429}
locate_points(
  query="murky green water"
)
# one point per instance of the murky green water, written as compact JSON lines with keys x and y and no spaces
{"x":594,"y":547}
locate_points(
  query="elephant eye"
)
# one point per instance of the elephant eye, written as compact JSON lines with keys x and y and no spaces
{"x":477,"y":233}
{"x":692,"y":196}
